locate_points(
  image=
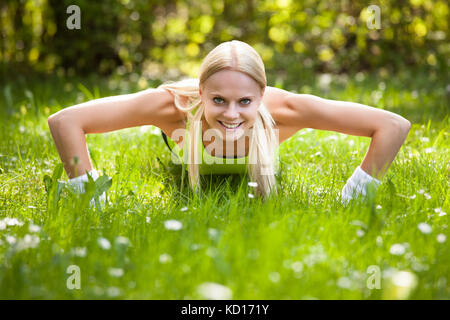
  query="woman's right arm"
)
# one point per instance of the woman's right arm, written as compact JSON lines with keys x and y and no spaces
{"x":70,"y":125}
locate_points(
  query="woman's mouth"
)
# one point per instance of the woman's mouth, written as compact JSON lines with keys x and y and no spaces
{"x":230,"y":126}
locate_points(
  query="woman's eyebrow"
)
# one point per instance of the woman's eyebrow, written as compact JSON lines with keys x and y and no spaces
{"x":218,"y":94}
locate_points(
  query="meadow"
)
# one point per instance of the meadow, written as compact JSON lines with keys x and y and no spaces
{"x":156,"y":239}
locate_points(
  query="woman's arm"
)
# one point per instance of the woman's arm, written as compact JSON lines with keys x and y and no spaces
{"x":70,"y":125}
{"x":387,"y":130}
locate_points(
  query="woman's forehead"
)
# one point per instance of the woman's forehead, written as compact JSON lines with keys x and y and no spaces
{"x":226,"y":78}
{"x":227,"y":84}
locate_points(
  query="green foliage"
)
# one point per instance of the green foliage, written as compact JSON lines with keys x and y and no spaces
{"x":53,"y":187}
{"x":170,"y":38}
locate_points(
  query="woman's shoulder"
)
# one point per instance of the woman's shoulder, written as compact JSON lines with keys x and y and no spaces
{"x":275,"y":98}
{"x":173,"y":117}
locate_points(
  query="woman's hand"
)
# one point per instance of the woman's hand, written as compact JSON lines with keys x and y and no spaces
{"x":78,"y":185}
{"x":357,"y":185}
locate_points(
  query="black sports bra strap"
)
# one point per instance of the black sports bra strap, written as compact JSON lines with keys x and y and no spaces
{"x":165,"y":140}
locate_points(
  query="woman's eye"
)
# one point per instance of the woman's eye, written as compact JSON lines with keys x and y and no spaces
{"x":220,"y":100}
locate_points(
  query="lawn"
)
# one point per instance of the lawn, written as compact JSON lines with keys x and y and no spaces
{"x":155,"y":239}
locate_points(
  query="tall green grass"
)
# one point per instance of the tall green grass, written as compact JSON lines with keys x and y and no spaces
{"x":303,"y":244}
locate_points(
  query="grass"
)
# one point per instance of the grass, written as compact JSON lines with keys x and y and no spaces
{"x":302,"y":244}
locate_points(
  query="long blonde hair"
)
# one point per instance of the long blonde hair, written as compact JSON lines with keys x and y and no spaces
{"x":237,"y":56}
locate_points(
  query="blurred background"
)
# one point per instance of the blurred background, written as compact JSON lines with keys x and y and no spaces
{"x":302,"y":43}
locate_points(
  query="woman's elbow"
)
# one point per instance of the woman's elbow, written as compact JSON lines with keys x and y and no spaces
{"x":51,"y":119}
{"x":405,"y":124}
{"x":57,"y":119}
{"x":401,"y":123}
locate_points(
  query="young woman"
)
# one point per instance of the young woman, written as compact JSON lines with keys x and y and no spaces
{"x":229,"y":121}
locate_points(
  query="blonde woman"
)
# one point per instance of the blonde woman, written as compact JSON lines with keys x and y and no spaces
{"x":229,"y":121}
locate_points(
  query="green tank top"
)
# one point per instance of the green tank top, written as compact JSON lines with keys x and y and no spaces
{"x":209,"y":164}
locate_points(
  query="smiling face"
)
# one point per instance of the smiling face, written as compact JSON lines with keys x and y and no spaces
{"x":231,"y":101}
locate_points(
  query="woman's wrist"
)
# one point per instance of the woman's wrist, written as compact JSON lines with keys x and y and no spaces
{"x":364,"y":177}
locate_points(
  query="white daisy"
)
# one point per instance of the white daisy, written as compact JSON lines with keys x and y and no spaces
{"x":425,"y":228}
{"x":441,"y":238}
{"x":297,"y":266}
{"x":115,"y":272}
{"x":173,"y":225}
{"x":104,"y":243}
{"x":404,"y":279}
{"x":34,"y":228}
{"x":113,"y":292}
{"x":214,"y":291}
{"x":397,"y":249}
{"x":79,"y":251}
{"x":11,"y":239}
{"x":165,"y":258}
{"x":122,"y":240}
{"x":274,"y":277}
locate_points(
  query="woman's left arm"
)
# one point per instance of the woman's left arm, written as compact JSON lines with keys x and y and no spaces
{"x":387,"y":130}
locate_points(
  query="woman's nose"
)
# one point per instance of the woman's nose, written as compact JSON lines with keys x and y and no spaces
{"x":231,"y":112}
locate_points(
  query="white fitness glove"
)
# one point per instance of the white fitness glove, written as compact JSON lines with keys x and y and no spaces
{"x":357,"y":184}
{"x":78,"y":184}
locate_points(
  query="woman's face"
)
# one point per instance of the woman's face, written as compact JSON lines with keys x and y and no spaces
{"x":231,"y":101}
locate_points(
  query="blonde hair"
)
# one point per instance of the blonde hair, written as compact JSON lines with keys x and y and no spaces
{"x":237,"y":56}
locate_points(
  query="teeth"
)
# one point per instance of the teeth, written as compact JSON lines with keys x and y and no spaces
{"x":230,"y":125}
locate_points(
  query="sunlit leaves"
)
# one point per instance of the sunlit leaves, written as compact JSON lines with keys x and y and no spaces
{"x":329,"y":36}
{"x":175,"y":28}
